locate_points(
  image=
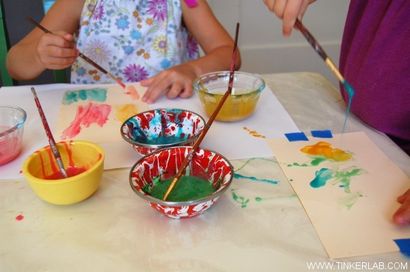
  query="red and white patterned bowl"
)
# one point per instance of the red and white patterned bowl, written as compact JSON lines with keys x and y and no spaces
{"x":159,"y":128}
{"x":205,"y":164}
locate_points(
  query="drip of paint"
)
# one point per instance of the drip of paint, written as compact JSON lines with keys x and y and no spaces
{"x":350,"y":93}
{"x":188,"y":188}
{"x":270,"y":181}
{"x":254,"y":133}
{"x":19,"y":217}
{"x":243,"y":201}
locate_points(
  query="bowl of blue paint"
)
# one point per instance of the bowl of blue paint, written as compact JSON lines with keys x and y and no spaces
{"x":207,"y":177}
{"x":154,"y":129}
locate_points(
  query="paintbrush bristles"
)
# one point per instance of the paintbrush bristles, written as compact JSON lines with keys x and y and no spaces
{"x":211,"y":119}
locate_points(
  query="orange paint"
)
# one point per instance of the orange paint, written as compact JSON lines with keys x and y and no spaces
{"x":254,"y":133}
{"x":326,"y":150}
{"x":132,"y":91}
{"x":71,"y":172}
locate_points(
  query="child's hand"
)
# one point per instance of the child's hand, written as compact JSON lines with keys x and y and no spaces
{"x":56,"y":51}
{"x":173,"y":82}
{"x":288,"y":11}
{"x":402,"y":215}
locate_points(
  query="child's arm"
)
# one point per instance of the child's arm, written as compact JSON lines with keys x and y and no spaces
{"x":39,"y":51}
{"x":215,"y":42}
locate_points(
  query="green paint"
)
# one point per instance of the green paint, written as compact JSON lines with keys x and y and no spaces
{"x":350,"y":199}
{"x":188,"y":188}
{"x":253,"y":159}
{"x":344,"y":177}
{"x":240,"y":199}
{"x":239,"y":176}
{"x":315,"y":162}
{"x":258,"y":199}
{"x":321,"y":177}
{"x":97,"y":94}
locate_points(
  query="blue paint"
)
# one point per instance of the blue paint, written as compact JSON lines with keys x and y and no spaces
{"x":350,"y":93}
{"x":322,"y":133}
{"x":296,"y":136}
{"x":321,"y":177}
{"x":270,"y":181}
{"x":97,"y":94}
{"x":404,"y":246}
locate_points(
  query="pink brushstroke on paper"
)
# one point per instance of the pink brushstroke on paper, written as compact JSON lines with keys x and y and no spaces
{"x":85,"y":116}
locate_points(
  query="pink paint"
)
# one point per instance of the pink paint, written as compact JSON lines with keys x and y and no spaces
{"x":132,"y":91}
{"x":10,"y":145}
{"x":85,"y":116}
{"x":19,"y":217}
{"x":191,"y":3}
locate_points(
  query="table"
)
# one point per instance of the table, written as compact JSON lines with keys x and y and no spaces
{"x":256,"y":226}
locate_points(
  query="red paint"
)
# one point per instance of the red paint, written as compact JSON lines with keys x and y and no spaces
{"x":10,"y":146}
{"x":71,"y":172}
{"x":85,"y":116}
{"x":19,"y":217}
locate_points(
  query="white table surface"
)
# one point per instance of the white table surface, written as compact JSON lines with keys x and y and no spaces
{"x":115,"y":230}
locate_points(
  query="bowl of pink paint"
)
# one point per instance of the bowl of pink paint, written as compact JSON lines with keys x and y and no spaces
{"x":12,"y":120}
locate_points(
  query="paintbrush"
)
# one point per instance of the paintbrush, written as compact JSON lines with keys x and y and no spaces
{"x":81,"y":55}
{"x":50,"y":137}
{"x":208,"y":124}
{"x":314,"y":43}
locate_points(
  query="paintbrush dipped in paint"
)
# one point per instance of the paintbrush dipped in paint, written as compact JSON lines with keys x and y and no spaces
{"x":208,"y":124}
{"x":50,"y":137}
{"x":316,"y":46}
{"x":81,"y":55}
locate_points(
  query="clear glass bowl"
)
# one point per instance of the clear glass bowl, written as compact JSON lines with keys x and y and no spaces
{"x":12,"y":121}
{"x":240,"y":104}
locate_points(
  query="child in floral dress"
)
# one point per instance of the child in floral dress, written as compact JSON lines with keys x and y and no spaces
{"x":150,"y":41}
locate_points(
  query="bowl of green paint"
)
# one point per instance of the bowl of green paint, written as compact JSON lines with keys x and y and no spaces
{"x":207,"y":177}
{"x":160,"y":128}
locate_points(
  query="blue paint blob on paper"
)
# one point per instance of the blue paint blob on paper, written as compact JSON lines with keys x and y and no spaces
{"x":321,"y":177}
{"x":97,"y":94}
{"x":404,"y":246}
{"x":296,"y":136}
{"x":322,"y":133}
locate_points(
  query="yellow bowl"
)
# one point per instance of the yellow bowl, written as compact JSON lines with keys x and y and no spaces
{"x":40,"y":166}
{"x":243,"y":99}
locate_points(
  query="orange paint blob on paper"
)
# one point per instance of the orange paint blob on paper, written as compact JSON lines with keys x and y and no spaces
{"x":326,"y":150}
{"x":123,"y":112}
{"x":132,"y":91}
{"x":254,"y":133}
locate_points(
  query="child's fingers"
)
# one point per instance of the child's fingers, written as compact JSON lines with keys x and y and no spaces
{"x":404,"y":197}
{"x":156,"y":89}
{"x":175,"y":90}
{"x":402,"y":215}
{"x":187,"y":91}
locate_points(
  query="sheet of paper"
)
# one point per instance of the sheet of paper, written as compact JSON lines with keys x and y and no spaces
{"x":348,"y":189}
{"x":61,"y":104}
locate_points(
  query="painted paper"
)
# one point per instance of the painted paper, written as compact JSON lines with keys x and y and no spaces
{"x":348,"y":188}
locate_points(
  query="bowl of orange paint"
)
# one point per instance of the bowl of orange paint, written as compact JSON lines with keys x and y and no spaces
{"x":83,"y":162}
{"x":240,"y":104}
{"x":12,"y":121}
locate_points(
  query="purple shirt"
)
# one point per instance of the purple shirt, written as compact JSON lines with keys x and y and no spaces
{"x":375,"y":60}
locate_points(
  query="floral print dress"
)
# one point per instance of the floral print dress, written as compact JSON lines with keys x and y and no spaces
{"x":132,"y":39}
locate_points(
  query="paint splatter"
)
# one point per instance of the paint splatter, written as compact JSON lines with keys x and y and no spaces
{"x":343,"y":179}
{"x":97,"y":94}
{"x":254,"y":133}
{"x":243,"y":201}
{"x":123,"y":112}
{"x":132,"y":92}
{"x":19,"y":217}
{"x":85,"y":116}
{"x":251,"y":178}
{"x":324,"y":149}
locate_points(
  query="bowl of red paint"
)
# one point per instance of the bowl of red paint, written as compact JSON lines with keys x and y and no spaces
{"x":160,"y":128}
{"x":12,"y":121}
{"x":83,"y":162}
{"x":207,"y":177}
